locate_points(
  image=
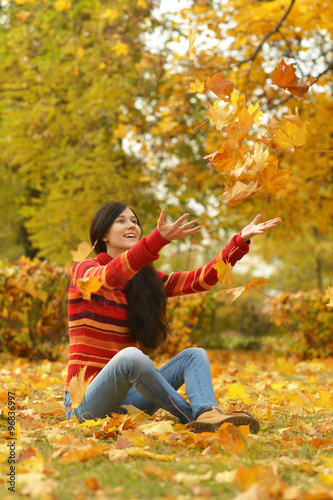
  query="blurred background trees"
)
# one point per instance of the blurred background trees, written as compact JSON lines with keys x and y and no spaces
{"x":95,"y":106}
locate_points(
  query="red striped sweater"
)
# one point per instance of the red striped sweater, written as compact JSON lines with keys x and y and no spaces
{"x":99,"y":328}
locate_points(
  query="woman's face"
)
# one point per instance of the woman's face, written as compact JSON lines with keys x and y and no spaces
{"x":123,"y":234}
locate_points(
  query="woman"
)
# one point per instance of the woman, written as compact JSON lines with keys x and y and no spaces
{"x":129,"y":308}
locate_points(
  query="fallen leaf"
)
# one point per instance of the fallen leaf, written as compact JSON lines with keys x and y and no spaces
{"x":139,"y":452}
{"x":157,"y":428}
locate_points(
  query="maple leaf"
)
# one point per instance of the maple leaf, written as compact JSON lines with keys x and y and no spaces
{"x":222,"y":160}
{"x":88,"y":285}
{"x":219,"y":115}
{"x":255,"y":110}
{"x":192,"y":34}
{"x":82,"y":251}
{"x":238,"y":192}
{"x":237,"y":292}
{"x":197,"y":86}
{"x":284,"y":77}
{"x":157,"y":428}
{"x":220,"y":87}
{"x":253,"y":163}
{"x":237,"y":391}
{"x":237,"y":131}
{"x":286,"y":134}
{"x":290,"y":133}
{"x":272,"y":179}
{"x":224,"y":272}
{"x":78,"y":386}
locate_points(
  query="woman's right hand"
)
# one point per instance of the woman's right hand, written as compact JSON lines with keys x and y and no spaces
{"x":175,"y":231}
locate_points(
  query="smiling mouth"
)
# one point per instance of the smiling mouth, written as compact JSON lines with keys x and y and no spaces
{"x":130,"y":236}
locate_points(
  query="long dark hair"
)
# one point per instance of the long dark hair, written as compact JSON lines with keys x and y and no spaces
{"x":145,"y":292}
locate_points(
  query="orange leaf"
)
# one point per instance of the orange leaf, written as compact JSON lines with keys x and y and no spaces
{"x":231,"y":439}
{"x":220,"y":87}
{"x":284,"y":75}
{"x":272,"y":179}
{"x":236,"y":292}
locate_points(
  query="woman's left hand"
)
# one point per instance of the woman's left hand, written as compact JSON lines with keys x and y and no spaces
{"x":254,"y":228}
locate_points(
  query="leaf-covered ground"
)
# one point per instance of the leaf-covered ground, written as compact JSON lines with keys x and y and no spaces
{"x":134,"y":456}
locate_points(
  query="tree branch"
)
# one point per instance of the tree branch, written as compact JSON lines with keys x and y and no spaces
{"x":269,"y":34}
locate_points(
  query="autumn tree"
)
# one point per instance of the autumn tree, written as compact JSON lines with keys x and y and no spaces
{"x":76,"y":79}
{"x":91,"y":110}
{"x":244,"y":50}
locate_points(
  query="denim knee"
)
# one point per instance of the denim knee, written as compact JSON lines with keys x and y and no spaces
{"x":131,"y":359}
{"x":197,"y":352}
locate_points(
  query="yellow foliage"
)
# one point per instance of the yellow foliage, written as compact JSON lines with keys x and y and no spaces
{"x":63,"y":5}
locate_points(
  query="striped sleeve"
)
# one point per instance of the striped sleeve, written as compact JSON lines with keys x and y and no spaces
{"x":204,"y":278}
{"x":121,"y":269}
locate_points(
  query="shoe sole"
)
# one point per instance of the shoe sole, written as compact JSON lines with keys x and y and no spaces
{"x":235,"y":420}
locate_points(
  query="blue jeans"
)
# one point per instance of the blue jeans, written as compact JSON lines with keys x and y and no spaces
{"x":130,"y":377}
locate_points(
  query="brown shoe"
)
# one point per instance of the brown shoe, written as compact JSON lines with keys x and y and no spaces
{"x":210,"y":418}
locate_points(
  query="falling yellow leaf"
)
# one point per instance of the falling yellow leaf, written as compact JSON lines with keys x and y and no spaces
{"x":88,"y":285}
{"x":197,"y":86}
{"x":224,"y":272}
{"x":111,"y":15}
{"x":239,"y":192}
{"x":260,"y":157}
{"x":78,"y":386}
{"x":192,"y":34}
{"x":121,"y":49}
{"x":63,"y":5}
{"x":289,"y":133}
{"x":255,"y":109}
{"x":82,"y":251}
{"x":219,"y":115}
{"x":142,"y":3}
